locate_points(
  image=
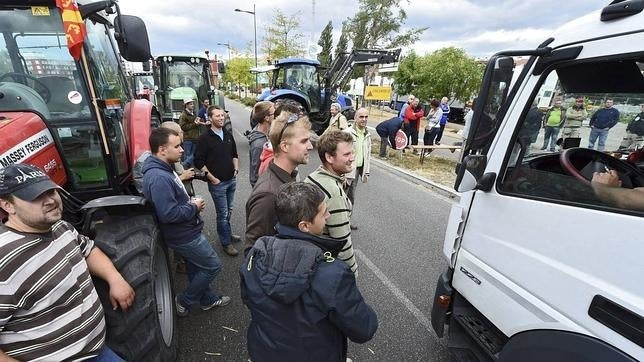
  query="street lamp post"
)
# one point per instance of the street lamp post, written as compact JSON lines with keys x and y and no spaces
{"x":227,"y":45}
{"x":255,"y":27}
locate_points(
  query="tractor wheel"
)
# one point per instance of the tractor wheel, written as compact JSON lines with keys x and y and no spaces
{"x":148,"y":330}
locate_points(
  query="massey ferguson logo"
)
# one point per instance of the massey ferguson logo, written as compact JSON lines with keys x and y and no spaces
{"x":26,"y":176}
{"x":26,"y":149}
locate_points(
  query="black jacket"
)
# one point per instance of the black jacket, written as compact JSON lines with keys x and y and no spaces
{"x":303,"y":302}
{"x":217,"y":154}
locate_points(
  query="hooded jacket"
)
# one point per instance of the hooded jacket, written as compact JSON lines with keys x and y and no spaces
{"x":178,"y":218}
{"x":265,"y":158}
{"x":304,"y":303}
{"x":256,"y":141}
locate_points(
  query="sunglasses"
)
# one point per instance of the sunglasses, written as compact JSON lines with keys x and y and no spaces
{"x":291,"y":119}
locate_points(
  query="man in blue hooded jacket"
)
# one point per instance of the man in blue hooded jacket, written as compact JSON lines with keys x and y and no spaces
{"x":180,"y":223}
{"x":304,"y":302}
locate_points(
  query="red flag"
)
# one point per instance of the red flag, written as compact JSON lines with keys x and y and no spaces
{"x":73,"y":25}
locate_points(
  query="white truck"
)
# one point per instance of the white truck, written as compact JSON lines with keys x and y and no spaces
{"x":545,"y":265}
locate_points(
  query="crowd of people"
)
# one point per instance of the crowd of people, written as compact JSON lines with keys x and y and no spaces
{"x":298,"y":271}
{"x":299,"y":268}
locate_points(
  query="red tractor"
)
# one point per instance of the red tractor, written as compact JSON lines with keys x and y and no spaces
{"x":75,"y":117}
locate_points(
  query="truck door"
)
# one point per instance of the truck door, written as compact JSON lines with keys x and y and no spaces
{"x":542,"y":247}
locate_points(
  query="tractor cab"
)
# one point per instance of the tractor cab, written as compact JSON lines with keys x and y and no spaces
{"x":295,"y":78}
{"x":38,"y":75}
{"x":178,"y":78}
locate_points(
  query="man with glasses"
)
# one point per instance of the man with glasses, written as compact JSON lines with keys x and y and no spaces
{"x":362,"y":150}
{"x":217,"y":154}
{"x":290,"y":138}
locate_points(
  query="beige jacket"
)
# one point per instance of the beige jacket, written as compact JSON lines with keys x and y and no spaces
{"x":366,"y":151}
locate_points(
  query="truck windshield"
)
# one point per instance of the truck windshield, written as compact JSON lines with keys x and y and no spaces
{"x":35,"y":63}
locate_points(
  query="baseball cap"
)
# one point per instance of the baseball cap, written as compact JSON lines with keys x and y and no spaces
{"x":24,"y":181}
{"x":187,"y":100}
{"x":580,"y":99}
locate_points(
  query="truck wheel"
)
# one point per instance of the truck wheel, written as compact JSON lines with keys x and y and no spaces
{"x":147,"y":331}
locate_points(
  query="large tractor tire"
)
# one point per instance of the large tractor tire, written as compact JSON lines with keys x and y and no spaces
{"x":148,"y":330}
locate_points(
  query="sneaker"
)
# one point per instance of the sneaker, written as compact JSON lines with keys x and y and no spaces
{"x":235,"y":238}
{"x":354,"y":227}
{"x":230,"y":250}
{"x":224,"y":300}
{"x":437,"y":143}
{"x":181,"y":310}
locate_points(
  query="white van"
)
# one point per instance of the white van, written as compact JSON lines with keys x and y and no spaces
{"x":546,"y":265}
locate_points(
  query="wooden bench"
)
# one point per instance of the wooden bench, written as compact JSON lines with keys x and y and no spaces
{"x":426,"y":150}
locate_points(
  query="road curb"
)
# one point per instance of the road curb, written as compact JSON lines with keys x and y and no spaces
{"x":417,"y":179}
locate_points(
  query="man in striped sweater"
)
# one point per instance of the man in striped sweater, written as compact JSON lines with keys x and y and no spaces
{"x":49,"y":309}
{"x":335,"y":149}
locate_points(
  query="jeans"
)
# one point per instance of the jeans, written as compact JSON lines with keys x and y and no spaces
{"x":550,"y":137}
{"x":106,"y":355}
{"x":189,"y":148}
{"x":430,"y":136}
{"x":202,"y":266}
{"x":440,"y":132}
{"x":602,"y":133}
{"x":223,"y":194}
{"x":353,"y":183}
{"x":413,"y":132}
{"x":383,"y":146}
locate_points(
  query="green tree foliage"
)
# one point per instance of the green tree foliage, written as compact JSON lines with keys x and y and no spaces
{"x":326,"y":42}
{"x":283,"y":39}
{"x":341,"y":47}
{"x":238,"y":71}
{"x":446,"y":72}
{"x":377,"y":24}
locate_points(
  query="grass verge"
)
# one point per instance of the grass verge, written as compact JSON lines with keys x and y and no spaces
{"x":435,"y":168}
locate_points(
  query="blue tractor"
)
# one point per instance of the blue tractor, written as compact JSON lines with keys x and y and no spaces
{"x":315,"y":87}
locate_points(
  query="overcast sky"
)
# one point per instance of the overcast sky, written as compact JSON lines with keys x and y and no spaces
{"x":481,"y":27}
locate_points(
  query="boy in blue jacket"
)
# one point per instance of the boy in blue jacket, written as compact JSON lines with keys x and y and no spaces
{"x":304,"y":302}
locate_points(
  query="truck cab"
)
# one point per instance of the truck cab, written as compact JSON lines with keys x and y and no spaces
{"x":545,"y":260}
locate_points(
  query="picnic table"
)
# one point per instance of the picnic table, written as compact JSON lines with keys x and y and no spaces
{"x":426,"y":150}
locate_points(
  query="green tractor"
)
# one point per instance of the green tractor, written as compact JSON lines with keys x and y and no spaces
{"x":179,"y":77}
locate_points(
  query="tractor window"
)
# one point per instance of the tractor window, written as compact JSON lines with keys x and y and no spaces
{"x":579,"y":126}
{"x":111,"y":87}
{"x":35,"y":66}
{"x":82,"y":147}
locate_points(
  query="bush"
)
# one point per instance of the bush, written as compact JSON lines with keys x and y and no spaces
{"x":248,"y":101}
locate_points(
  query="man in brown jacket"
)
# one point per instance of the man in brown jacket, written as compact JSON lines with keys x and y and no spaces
{"x":191,"y":125}
{"x":290,"y":138}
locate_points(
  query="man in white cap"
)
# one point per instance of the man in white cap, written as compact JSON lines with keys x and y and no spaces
{"x":192,"y":126}
{"x":49,"y":309}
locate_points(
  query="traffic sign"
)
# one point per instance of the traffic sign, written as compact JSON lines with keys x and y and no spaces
{"x":401,"y":140}
{"x":377,"y":93}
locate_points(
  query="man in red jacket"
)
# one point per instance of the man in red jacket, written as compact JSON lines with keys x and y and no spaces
{"x":411,"y":121}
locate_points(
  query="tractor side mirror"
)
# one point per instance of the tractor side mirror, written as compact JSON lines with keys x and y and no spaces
{"x":132,"y":38}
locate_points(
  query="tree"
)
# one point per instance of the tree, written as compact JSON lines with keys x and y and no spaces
{"x":238,"y":71}
{"x":326,"y":42}
{"x":282,"y":39}
{"x":341,"y":47}
{"x":377,"y":25}
{"x":446,"y":72}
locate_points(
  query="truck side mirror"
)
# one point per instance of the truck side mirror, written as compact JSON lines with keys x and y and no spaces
{"x":470,"y":174}
{"x":132,"y":38}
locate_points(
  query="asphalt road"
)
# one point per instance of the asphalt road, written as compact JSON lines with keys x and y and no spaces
{"x":399,"y":250}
